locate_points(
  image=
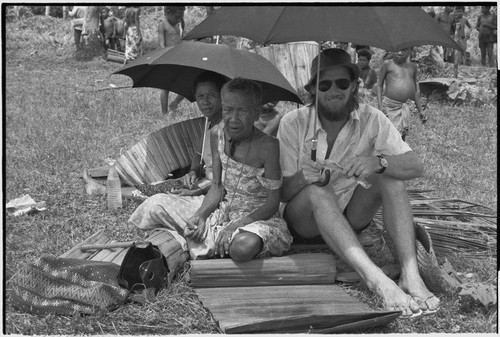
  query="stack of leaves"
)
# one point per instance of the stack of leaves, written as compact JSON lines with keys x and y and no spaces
{"x":455,"y":226}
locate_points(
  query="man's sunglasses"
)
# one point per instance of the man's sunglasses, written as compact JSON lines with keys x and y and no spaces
{"x":341,"y":83}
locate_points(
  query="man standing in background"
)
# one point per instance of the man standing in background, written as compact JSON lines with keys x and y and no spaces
{"x":446,"y":19}
{"x":169,"y":34}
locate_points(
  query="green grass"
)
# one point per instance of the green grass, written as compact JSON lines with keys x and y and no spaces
{"x":56,"y":127}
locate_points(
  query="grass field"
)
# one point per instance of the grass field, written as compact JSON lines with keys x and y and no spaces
{"x":57,"y":124}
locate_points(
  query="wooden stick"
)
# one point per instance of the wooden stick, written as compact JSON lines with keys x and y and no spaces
{"x":103,"y":89}
{"x":110,"y":245}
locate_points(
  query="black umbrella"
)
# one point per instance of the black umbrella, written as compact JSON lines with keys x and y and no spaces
{"x":175,"y":69}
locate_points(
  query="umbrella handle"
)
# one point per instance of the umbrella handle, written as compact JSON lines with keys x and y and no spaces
{"x":315,"y":138}
{"x":203,"y":142}
{"x":313,"y":148}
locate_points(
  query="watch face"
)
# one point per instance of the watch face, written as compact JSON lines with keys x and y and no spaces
{"x":384,"y":162}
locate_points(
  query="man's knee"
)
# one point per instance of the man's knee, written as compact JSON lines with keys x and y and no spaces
{"x":391,"y":185}
{"x":245,"y":246}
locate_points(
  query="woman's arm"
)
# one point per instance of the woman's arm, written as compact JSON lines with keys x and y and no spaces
{"x":196,"y":224}
{"x":214,"y":195}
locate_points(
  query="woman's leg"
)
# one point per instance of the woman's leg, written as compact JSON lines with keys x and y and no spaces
{"x":245,"y":246}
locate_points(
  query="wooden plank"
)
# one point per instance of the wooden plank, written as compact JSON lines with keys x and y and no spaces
{"x":114,"y":253}
{"x":295,"y":308}
{"x":101,"y":254}
{"x":380,"y":319}
{"x":75,"y":252}
{"x":316,"y":268}
{"x":119,"y":258}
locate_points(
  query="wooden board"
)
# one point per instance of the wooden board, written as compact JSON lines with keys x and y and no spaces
{"x":76,"y":253}
{"x":316,"y":268}
{"x":286,"y":309}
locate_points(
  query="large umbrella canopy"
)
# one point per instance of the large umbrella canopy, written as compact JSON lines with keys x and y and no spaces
{"x":387,"y":27}
{"x":176,"y":68}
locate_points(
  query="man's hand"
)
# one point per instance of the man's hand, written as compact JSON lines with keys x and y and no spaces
{"x":360,"y":167}
{"x":313,"y":171}
{"x":196,"y":228}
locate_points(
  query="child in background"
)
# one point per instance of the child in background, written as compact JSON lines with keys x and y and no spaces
{"x":400,"y":79}
{"x":108,"y":29}
{"x":461,"y":36}
{"x":367,"y":74}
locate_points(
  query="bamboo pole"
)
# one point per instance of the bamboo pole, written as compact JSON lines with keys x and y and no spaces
{"x":111,"y":245}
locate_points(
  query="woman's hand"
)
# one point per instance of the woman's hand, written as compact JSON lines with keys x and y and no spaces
{"x":189,"y":179}
{"x":196,"y":228}
{"x":187,"y":193}
{"x":223,"y":240}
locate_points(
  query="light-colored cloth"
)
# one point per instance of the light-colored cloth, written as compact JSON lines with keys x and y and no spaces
{"x":246,"y":191}
{"x":398,"y":112}
{"x":368,"y":132}
{"x":207,"y":155}
{"x":133,"y":46}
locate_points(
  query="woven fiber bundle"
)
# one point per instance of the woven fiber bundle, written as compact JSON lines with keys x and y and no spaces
{"x":66,"y":286}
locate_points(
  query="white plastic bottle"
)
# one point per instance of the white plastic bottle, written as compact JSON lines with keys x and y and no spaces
{"x":113,"y":188}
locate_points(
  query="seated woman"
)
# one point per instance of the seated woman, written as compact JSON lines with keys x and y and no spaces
{"x":239,"y":215}
{"x":156,"y":211}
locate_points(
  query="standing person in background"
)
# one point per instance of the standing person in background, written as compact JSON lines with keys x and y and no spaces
{"x":460,"y":33}
{"x":108,"y":29}
{"x":269,"y":119}
{"x":78,"y":12}
{"x":169,"y":34}
{"x":446,"y":19}
{"x":400,"y":79}
{"x":487,"y":27}
{"x":133,"y":45}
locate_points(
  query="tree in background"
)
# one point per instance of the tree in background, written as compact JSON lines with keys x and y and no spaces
{"x":91,"y":45}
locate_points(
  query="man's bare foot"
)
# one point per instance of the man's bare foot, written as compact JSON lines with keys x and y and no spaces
{"x":395,"y":298}
{"x":416,"y":288}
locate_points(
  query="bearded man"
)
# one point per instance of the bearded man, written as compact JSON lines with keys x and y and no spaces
{"x":358,"y":146}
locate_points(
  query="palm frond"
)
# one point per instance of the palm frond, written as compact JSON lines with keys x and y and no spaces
{"x":452,"y":228}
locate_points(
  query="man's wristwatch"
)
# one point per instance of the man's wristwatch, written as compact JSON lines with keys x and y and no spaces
{"x":383,"y":162}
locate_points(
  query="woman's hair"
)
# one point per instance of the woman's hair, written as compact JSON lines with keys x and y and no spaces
{"x":171,"y":9}
{"x":248,"y":87}
{"x":210,"y":76}
{"x":366,"y":53}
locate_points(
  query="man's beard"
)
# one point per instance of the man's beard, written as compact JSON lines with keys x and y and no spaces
{"x":340,"y":113}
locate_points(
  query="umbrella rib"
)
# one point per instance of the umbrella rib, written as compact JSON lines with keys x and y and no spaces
{"x":268,"y":38}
